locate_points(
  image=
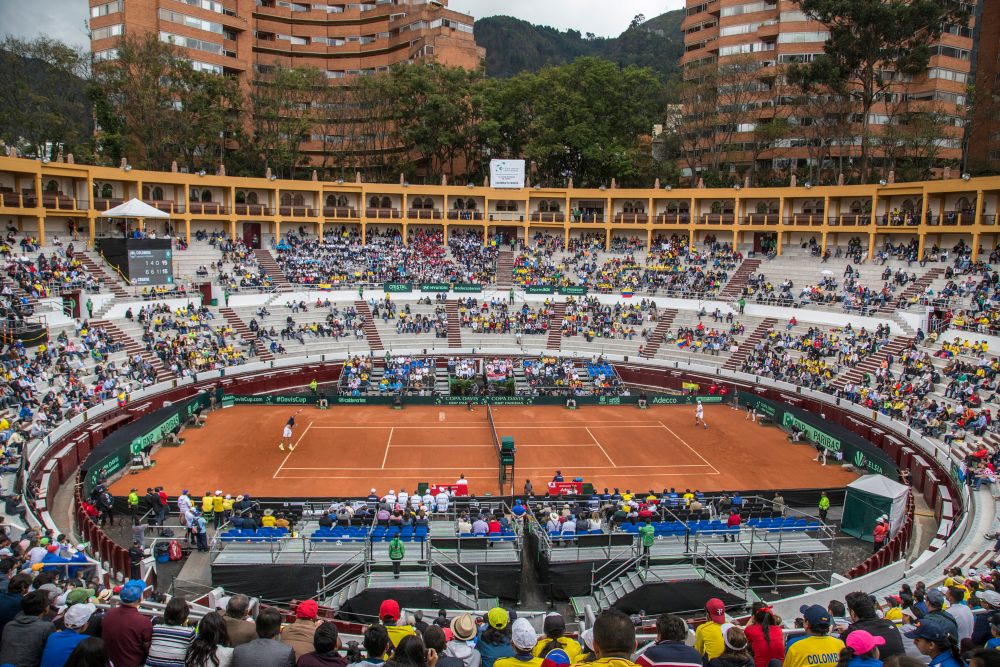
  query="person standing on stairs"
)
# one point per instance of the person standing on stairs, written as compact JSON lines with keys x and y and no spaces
{"x":396,"y":553}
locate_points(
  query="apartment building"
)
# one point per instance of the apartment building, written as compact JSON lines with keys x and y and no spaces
{"x":773,"y":34}
{"x":244,"y":38}
{"x":984,"y":136}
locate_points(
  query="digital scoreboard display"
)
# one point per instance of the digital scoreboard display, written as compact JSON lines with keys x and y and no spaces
{"x":151,"y":267}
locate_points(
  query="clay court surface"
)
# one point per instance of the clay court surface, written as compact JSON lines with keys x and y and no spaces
{"x":347,"y":450}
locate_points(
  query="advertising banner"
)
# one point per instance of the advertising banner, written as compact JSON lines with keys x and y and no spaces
{"x":842,"y":443}
{"x":507,"y":174}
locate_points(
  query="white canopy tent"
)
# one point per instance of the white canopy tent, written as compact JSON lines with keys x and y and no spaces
{"x":134,"y":208}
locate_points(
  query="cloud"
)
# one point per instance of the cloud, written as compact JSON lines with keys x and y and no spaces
{"x":59,"y":19}
{"x":597,"y":16}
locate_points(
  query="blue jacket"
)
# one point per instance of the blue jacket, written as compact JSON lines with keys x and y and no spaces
{"x":489,"y":653}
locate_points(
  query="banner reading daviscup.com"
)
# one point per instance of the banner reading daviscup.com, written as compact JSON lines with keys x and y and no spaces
{"x":507,"y":174}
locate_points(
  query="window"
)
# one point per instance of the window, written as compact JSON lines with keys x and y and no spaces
{"x":745,"y":48}
{"x":950,"y":52}
{"x":105,"y":9}
{"x":947,"y":75}
{"x":787,"y":58}
{"x":748,"y":8}
{"x":190,"y":21}
{"x":191,"y":43}
{"x":803,"y":37}
{"x":252,"y":198}
{"x":210,"y":5}
{"x":793,"y":16}
{"x":107,"y":192}
{"x":108,"y":31}
{"x":106,"y":54}
{"x":739,"y":29}
{"x":507,"y":206}
{"x":199,"y":66}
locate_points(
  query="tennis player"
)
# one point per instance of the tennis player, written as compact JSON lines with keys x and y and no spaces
{"x":699,"y":414}
{"x":286,"y":434}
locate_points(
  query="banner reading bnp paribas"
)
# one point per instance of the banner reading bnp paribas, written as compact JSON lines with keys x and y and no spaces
{"x":843,"y":443}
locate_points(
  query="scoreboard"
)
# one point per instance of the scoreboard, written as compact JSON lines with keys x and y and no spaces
{"x":151,"y":266}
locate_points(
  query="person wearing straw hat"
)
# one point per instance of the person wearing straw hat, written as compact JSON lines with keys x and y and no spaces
{"x":463,"y":629}
{"x":522,"y":639}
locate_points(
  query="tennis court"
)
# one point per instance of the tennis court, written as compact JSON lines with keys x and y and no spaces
{"x":347,"y":450}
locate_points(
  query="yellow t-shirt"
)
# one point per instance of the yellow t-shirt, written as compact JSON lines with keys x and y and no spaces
{"x":894,"y":614}
{"x":514,"y":661}
{"x":397,"y":632}
{"x":708,"y":640}
{"x":814,"y":652}
{"x":206,"y":503}
{"x":571,"y":646}
{"x":267,"y":521}
{"x":218,"y":503}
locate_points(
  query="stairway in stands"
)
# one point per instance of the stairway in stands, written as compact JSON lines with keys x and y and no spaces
{"x":15,"y":287}
{"x":737,"y":358}
{"x":133,"y":347}
{"x":454,"y":325}
{"x":108,"y":282}
{"x":244,"y":332}
{"x":505,"y":268}
{"x":734,"y":288}
{"x":652,"y":346}
{"x":371,"y":332}
{"x":269,"y":266}
{"x":555,"y":326}
{"x":913,"y":289}
{"x":870,"y":364}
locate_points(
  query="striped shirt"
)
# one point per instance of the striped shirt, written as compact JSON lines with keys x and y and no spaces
{"x":169,"y":646}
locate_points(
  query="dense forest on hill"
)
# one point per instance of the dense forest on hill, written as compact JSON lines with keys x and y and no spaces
{"x":514,"y":46}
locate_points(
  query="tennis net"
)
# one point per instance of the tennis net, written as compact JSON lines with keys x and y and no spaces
{"x":493,"y":431}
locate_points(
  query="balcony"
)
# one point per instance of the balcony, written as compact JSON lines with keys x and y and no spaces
{"x":717,"y":218}
{"x":673,"y":218}
{"x":548,"y":217}
{"x":465,"y":215}
{"x":297,"y":211}
{"x":768,"y":32}
{"x":104,"y":203}
{"x":165,"y":205}
{"x":851,"y":220}
{"x":423,"y":214}
{"x":252,"y":209}
{"x":805,"y":220}
{"x":340,"y":212}
{"x":756,"y":219}
{"x":631,"y":218}
{"x":383,"y":213}
{"x":208,"y":208}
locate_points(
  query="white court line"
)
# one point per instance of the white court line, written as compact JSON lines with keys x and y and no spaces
{"x":669,"y":467}
{"x":291,"y":449}
{"x":388,"y":444}
{"x":693,"y":450}
{"x":598,"y":443}
{"x":493,"y":477}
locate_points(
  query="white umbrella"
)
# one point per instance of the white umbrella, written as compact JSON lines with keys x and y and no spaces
{"x":134,"y":208}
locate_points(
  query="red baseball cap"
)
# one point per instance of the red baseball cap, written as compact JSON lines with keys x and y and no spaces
{"x":389,"y":610}
{"x":307,"y":609}
{"x":716,"y":610}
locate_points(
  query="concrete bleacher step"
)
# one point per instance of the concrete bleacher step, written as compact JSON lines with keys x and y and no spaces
{"x":371,"y":331}
{"x":269,"y":266}
{"x":244,"y":332}
{"x":663,"y":324}
{"x":734,"y":288}
{"x":505,"y":268}
{"x":133,"y":347}
{"x":555,"y":326}
{"x":735,"y":361}
{"x":454,"y":325}
{"x":107,"y":281}
{"x":870,"y":364}
{"x":913,"y":289}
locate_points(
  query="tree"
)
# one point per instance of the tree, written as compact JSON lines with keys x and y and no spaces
{"x":210,"y":114}
{"x":135,"y":99}
{"x":637,"y":21}
{"x":281,"y":104}
{"x":43,"y":102}
{"x":765,"y":137}
{"x":869,"y":41}
{"x":823,"y":121}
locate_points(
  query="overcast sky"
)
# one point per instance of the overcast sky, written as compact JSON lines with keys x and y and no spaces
{"x":64,"y":19}
{"x":603,"y":18}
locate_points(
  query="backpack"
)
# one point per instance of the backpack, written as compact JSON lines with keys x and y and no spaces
{"x":107,"y":500}
{"x":175,"y":550}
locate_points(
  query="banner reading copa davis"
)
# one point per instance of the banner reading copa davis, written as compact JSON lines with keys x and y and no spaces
{"x":843,"y":443}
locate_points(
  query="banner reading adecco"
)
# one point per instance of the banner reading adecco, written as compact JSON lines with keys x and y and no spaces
{"x":507,"y":174}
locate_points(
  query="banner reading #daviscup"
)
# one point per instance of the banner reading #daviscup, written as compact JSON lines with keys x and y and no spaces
{"x":507,"y":174}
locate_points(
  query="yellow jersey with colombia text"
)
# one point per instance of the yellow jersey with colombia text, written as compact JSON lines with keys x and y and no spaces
{"x":817,"y":651}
